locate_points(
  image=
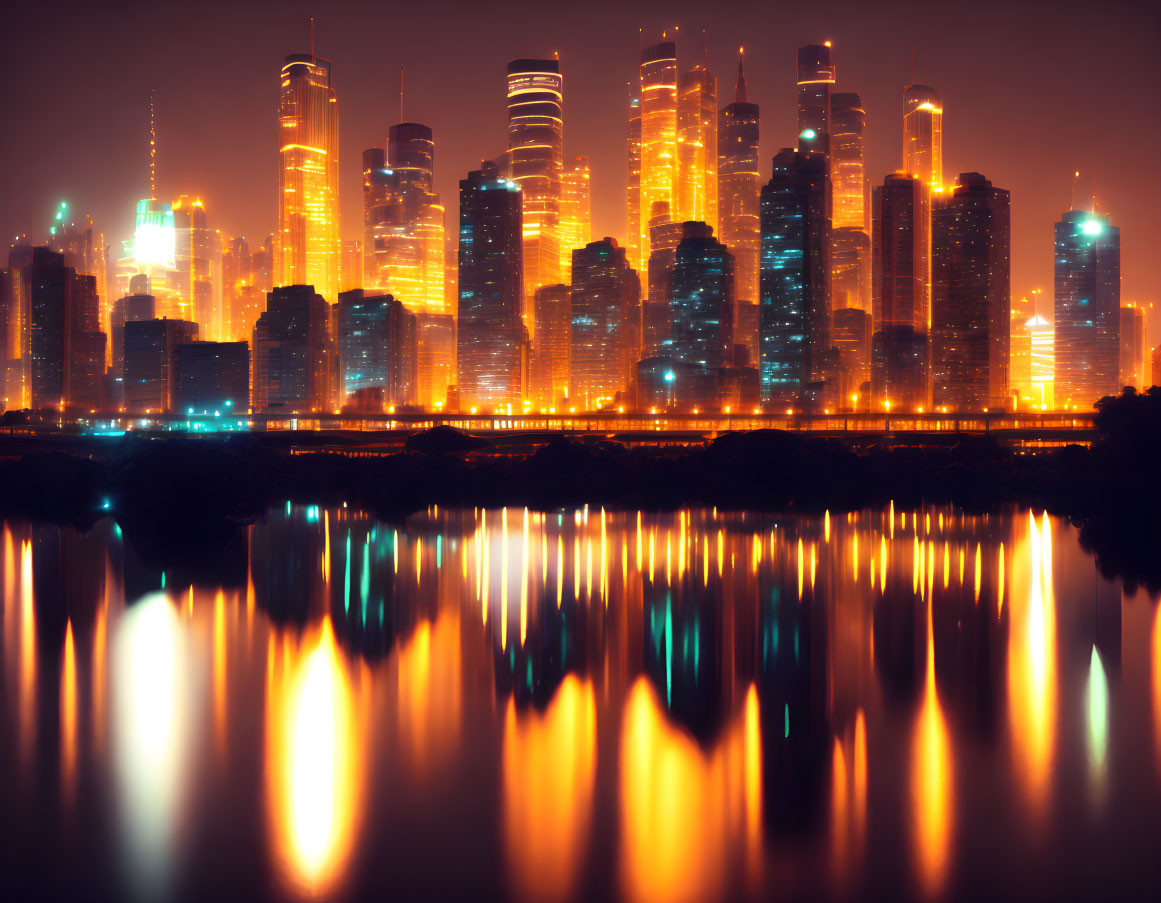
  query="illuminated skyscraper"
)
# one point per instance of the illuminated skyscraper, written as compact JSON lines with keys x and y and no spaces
{"x":851,"y":334}
{"x":664,"y":237}
{"x":1134,"y":350}
{"x":794,"y":318}
{"x":436,"y":355}
{"x":900,"y":354}
{"x":197,"y":252}
{"x":292,"y":353}
{"x":552,"y":353}
{"x":243,"y":299}
{"x":697,"y":147}
{"x":701,"y":327}
{"x":605,"y":335}
{"x":850,"y":189}
{"x":815,"y":78}
{"x":850,"y":266}
{"x":633,"y":227}
{"x":490,"y":334}
{"x":536,"y":159}
{"x":307,"y":244}
{"x":1087,"y":308}
{"x":738,"y":191}
{"x":83,"y":247}
{"x":1042,"y":361}
{"x":575,"y":212}
{"x":970,"y":296}
{"x":658,"y":135}
{"x":923,"y":135}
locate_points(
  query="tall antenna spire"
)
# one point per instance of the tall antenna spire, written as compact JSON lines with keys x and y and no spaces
{"x":1072,"y":197}
{"x":740,"y":89}
{"x":401,"y":92}
{"x":152,"y":148}
{"x":312,"y":38}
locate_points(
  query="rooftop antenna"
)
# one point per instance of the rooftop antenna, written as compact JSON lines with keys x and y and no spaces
{"x":401,"y":93}
{"x":152,"y":148}
{"x":1072,"y":197}
{"x":312,"y":38}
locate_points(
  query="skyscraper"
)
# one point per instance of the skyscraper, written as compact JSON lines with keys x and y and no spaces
{"x":1087,"y":308}
{"x":377,"y":341}
{"x":307,"y":242}
{"x":794,"y":318}
{"x":129,"y":309}
{"x":923,"y":135}
{"x":490,"y":334}
{"x":292,"y":353}
{"x":658,"y":135}
{"x":850,"y":190}
{"x":575,"y":212}
{"x":436,"y":356}
{"x":850,"y":267}
{"x":197,"y":253}
{"x":1134,"y":347}
{"x":605,"y":333}
{"x":664,"y":236}
{"x":738,"y":191}
{"x":552,"y":353}
{"x":900,"y":354}
{"x":701,"y":328}
{"x":633,"y":226}
{"x":696,"y":194}
{"x":970,"y":296}
{"x":212,"y":378}
{"x":816,"y":75}
{"x":150,"y":380}
{"x":536,"y":158}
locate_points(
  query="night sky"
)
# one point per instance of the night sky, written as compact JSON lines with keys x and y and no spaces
{"x":1032,"y":91}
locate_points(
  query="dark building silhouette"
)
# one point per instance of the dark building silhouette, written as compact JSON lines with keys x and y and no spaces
{"x":150,"y":381}
{"x":1134,"y":347}
{"x":292,"y":352}
{"x":490,"y":331}
{"x":794,"y":319}
{"x":552,"y":351}
{"x":900,"y":352}
{"x":1088,"y":300}
{"x":378,"y":346}
{"x":970,"y":296}
{"x":738,"y":191}
{"x":605,"y":336}
{"x":816,"y":76}
{"x":213,"y":377}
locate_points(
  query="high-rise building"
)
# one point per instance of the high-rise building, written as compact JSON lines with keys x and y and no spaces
{"x":605,"y":334}
{"x":552,"y":353}
{"x":851,"y":334}
{"x":1134,"y":347}
{"x":378,"y":348}
{"x":150,"y":376}
{"x":243,"y":297}
{"x":850,"y":267}
{"x":923,"y":135}
{"x":436,"y":355}
{"x":490,"y":334}
{"x":536,"y":159}
{"x":900,"y":353}
{"x":351,"y":265}
{"x":403,"y":243}
{"x":633,"y":226}
{"x":738,"y":192}
{"x":129,"y":309}
{"x":83,"y":247}
{"x":794,"y":318}
{"x":212,"y":378}
{"x":816,"y":76}
{"x":696,"y":194}
{"x":292,"y":353}
{"x":665,"y":235}
{"x":849,"y":185}
{"x":658,"y":136}
{"x":1041,"y":361}
{"x":970,"y":296}
{"x":307,"y":246}
{"x":701,"y":327}
{"x":15,"y":326}
{"x":576,"y":225}
{"x":197,"y":252}
{"x":1087,"y":308}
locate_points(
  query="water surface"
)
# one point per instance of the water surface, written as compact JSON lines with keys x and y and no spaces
{"x":507,"y":704}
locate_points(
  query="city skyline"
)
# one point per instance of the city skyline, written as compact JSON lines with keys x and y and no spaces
{"x":986,"y":127}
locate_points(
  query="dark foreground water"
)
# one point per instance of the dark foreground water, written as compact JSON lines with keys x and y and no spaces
{"x":578,"y":705}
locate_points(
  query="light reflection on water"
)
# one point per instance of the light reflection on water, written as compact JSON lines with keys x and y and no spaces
{"x":580,"y":704}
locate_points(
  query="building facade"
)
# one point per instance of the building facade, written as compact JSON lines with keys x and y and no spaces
{"x":605,"y":331}
{"x":293,"y":357}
